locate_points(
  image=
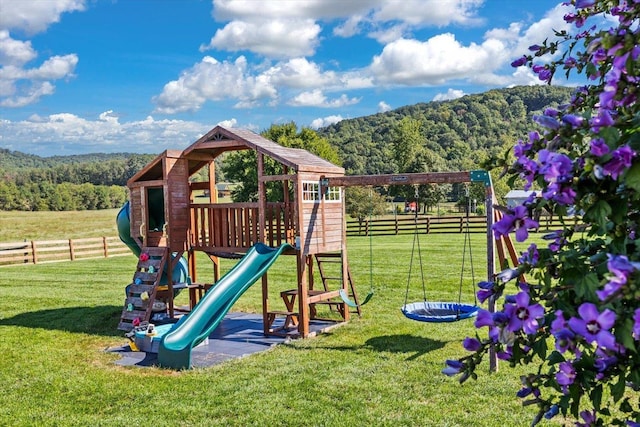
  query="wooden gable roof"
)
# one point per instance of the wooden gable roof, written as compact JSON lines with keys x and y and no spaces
{"x":220,"y":139}
{"x":154,"y":170}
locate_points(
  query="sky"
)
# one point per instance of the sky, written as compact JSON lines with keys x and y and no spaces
{"x":87,"y":76}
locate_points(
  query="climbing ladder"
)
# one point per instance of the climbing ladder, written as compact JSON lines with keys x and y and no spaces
{"x":335,"y":258}
{"x":137,"y":304}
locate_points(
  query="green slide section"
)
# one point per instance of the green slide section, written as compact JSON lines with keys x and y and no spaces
{"x":123,"y":222}
{"x":175,"y":347}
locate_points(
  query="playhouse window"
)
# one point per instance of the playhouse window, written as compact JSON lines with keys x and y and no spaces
{"x":311,"y":192}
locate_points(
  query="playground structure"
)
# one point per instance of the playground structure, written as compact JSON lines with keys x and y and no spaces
{"x":163,"y":219}
{"x":165,"y":227}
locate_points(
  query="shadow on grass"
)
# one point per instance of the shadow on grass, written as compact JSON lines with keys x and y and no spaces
{"x":406,"y":344}
{"x":411,"y":345}
{"x":100,"y":320}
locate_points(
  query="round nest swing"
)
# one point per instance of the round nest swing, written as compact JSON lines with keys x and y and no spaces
{"x":437,"y":312}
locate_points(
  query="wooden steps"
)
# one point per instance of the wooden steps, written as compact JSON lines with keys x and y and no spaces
{"x":146,"y":279}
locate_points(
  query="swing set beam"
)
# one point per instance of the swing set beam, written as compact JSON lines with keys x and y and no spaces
{"x":408,"y":179}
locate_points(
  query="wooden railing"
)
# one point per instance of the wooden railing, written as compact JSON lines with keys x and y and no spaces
{"x":44,"y":251}
{"x":233,"y":227}
{"x":406,"y":224}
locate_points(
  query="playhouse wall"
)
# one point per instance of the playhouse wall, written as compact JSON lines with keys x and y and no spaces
{"x":136,"y":213}
{"x":322,"y":232}
{"x":177,"y":201}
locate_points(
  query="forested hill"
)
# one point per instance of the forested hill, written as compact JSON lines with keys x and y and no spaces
{"x":460,"y":132}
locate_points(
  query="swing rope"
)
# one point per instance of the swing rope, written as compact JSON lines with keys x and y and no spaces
{"x":416,"y":242}
{"x":440,"y":311}
{"x":343,"y":294}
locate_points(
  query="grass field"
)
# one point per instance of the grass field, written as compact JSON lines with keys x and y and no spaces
{"x":378,"y":370}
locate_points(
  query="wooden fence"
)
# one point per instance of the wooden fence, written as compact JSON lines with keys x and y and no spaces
{"x":406,"y":224}
{"x":40,"y":252}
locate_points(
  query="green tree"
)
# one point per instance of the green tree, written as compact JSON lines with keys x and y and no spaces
{"x":362,"y":203}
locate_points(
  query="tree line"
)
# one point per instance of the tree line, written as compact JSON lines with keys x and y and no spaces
{"x":65,"y":183}
{"x":463,"y":134}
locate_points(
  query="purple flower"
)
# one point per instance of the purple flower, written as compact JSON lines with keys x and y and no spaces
{"x":454,"y":367}
{"x":621,"y":160}
{"x":486,"y":291}
{"x":519,"y":62}
{"x":552,"y":412}
{"x":582,"y":4}
{"x":560,"y":194}
{"x":531,"y":256}
{"x":589,"y":418}
{"x":604,"y":362}
{"x":522,"y":315}
{"x":483,"y":318}
{"x":594,"y":326}
{"x":566,"y":375}
{"x":471,"y":344}
{"x":621,"y":268}
{"x":603,"y":118}
{"x":636,"y":323}
{"x":518,"y":221}
{"x":574,"y":120}
{"x":546,"y":121}
{"x":556,"y":167}
{"x":599,"y":147}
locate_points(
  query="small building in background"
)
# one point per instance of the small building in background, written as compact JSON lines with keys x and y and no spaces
{"x":517,"y":197}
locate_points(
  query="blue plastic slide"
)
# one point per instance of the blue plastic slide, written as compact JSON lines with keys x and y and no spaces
{"x":180,"y":271}
{"x":191,"y":330}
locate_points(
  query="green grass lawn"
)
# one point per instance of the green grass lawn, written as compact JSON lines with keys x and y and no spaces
{"x":56,"y":320}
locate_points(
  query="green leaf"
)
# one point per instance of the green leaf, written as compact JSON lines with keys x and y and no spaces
{"x":596,"y":397}
{"x":632,"y":177}
{"x":555,"y":357}
{"x":599,"y":212}
{"x":624,"y":334}
{"x":617,"y":389}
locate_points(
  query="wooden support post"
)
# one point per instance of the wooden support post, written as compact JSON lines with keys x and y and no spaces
{"x":34,"y":254}
{"x":489,"y":199}
{"x":72,"y":255}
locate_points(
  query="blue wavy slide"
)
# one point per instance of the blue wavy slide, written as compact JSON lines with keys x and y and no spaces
{"x":175,"y":347}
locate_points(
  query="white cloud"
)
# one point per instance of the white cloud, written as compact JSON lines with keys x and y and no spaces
{"x":299,"y":73}
{"x":215,"y":81}
{"x":211,"y":80}
{"x":316,"y":98}
{"x":228,"y":123}
{"x":383,"y":107}
{"x":325,"y":121}
{"x":450,"y":94}
{"x":104,"y":134}
{"x":435,"y":61}
{"x":34,"y":16}
{"x":429,"y":12}
{"x":274,"y":38}
{"x":20,"y":84}
{"x":15,"y":52}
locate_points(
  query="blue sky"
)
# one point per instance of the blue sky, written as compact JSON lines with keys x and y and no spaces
{"x":82,"y":76}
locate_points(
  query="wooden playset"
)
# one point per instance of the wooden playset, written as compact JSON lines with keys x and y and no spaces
{"x":309,"y":217}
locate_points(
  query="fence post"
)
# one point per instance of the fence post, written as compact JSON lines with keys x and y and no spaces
{"x":34,"y":255}
{"x":428,"y":225}
{"x":104,"y":246}
{"x":72,"y":255}
{"x":461,"y":225}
